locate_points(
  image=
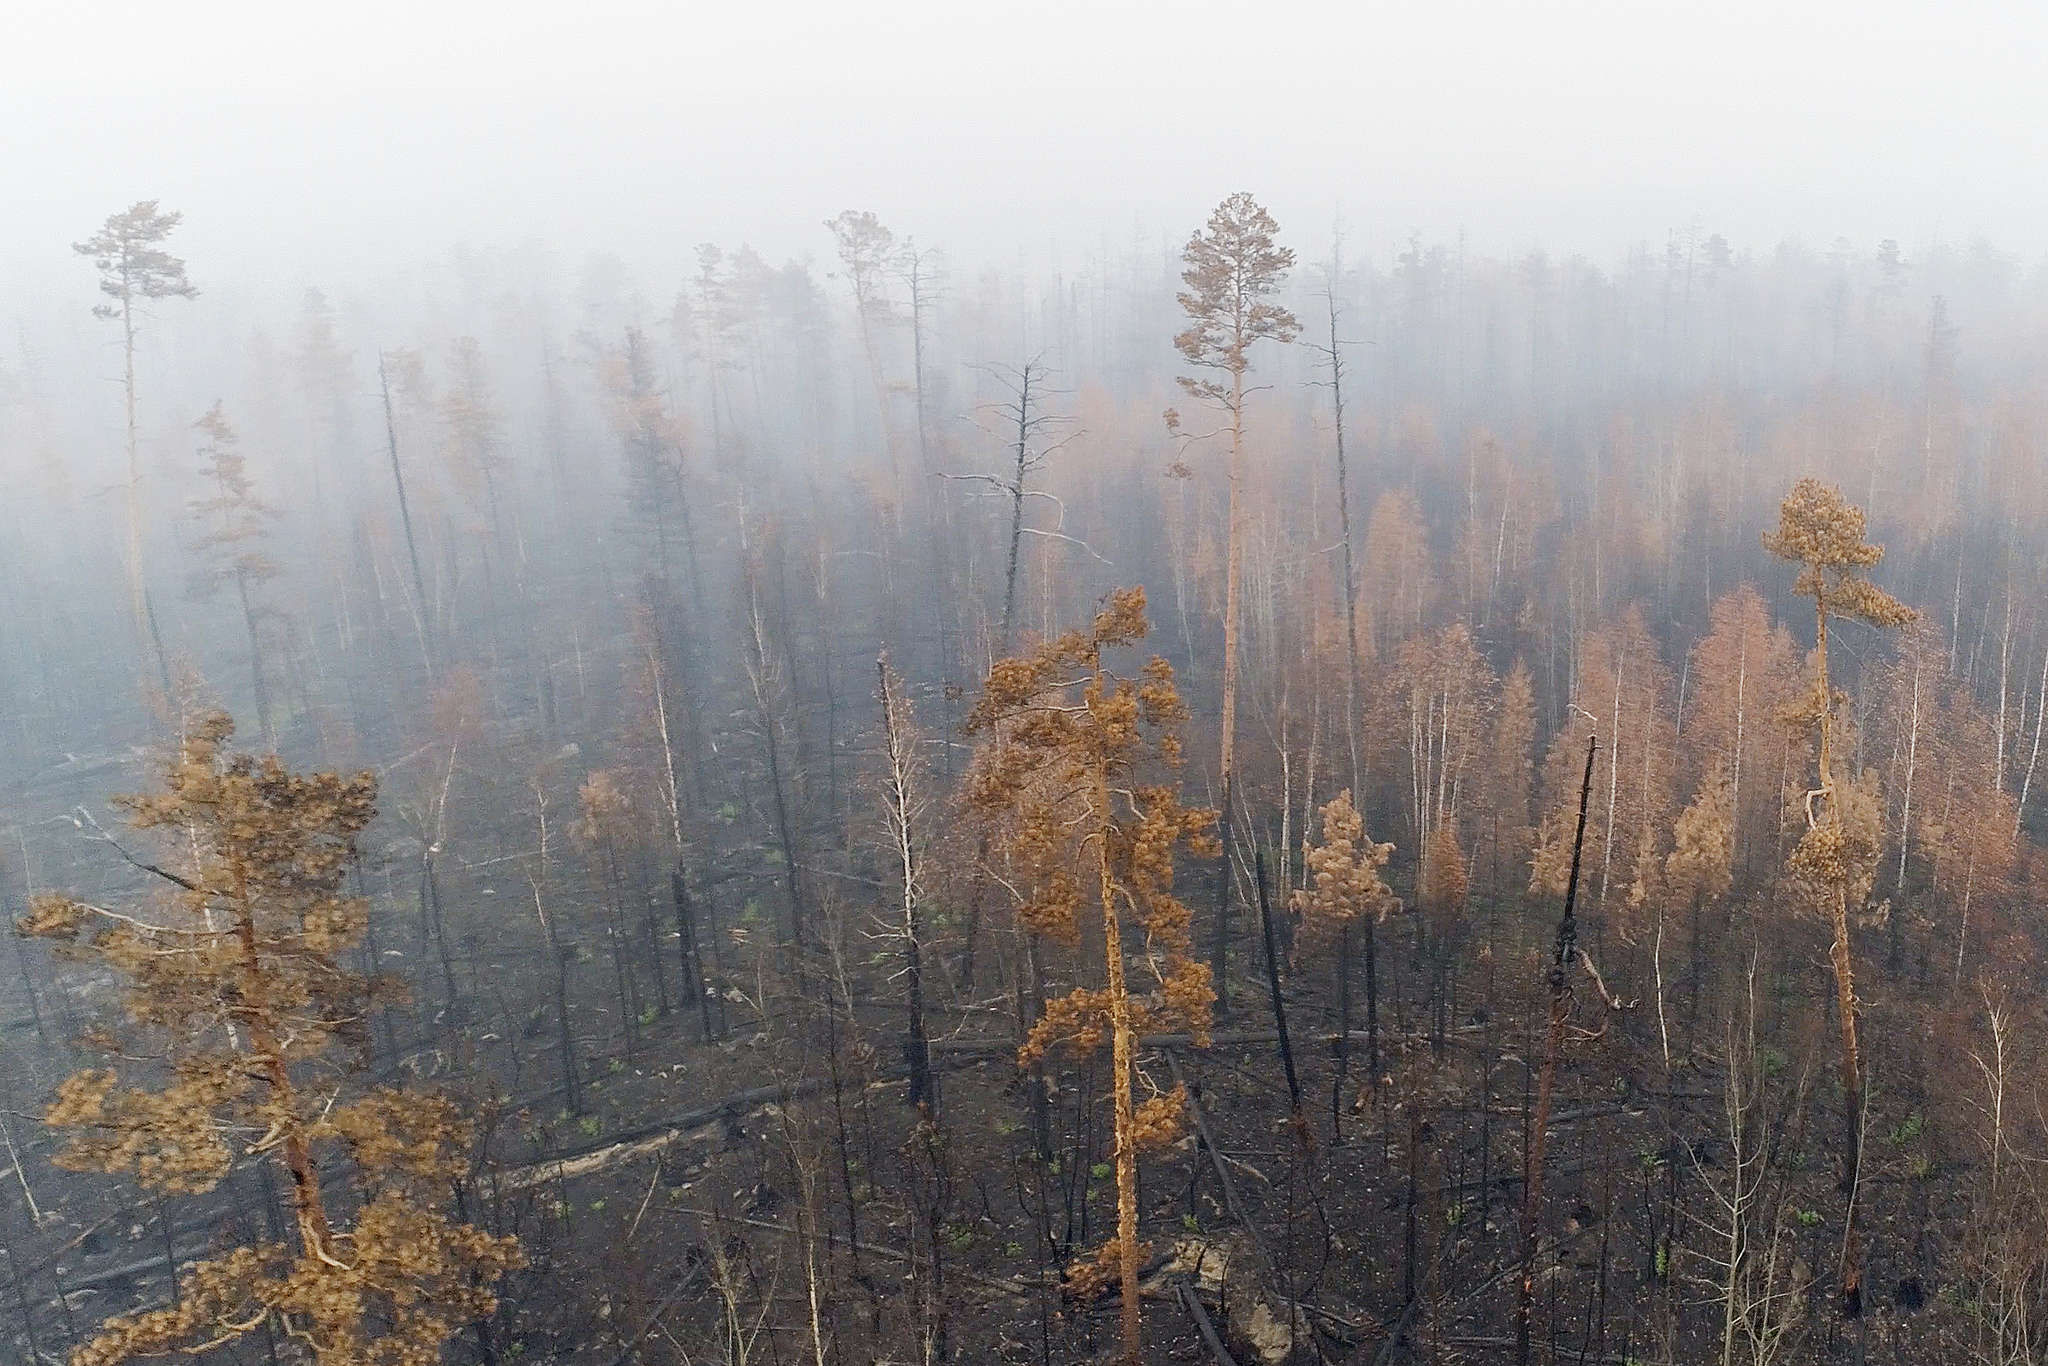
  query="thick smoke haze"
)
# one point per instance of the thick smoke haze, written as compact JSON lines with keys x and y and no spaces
{"x":1023,"y":684}
{"x":339,"y":141}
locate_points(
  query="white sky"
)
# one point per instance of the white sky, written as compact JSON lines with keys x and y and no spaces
{"x":319,"y":140}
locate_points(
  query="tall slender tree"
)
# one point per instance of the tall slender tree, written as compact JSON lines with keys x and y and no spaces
{"x":1836,"y":859}
{"x":136,"y":270}
{"x":1333,"y":356}
{"x":1564,"y":956}
{"x":904,"y":809}
{"x":1232,"y":268}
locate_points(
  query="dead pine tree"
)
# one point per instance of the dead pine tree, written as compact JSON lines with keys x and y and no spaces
{"x":1233,"y":267}
{"x":1562,"y":955}
{"x":236,"y":982}
{"x":1835,"y":860}
{"x":1068,"y":771}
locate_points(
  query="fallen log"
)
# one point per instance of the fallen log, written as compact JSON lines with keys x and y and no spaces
{"x":1204,"y":1325}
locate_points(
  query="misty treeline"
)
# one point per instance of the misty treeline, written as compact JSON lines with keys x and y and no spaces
{"x":1211,"y":798}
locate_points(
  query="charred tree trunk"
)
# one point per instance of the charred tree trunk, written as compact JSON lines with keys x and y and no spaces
{"x":1352,"y":675}
{"x":430,"y":904}
{"x":686,"y":939}
{"x":1553,"y":1044}
{"x":615,"y":932}
{"x":1340,"y":1047}
{"x":1273,"y":989}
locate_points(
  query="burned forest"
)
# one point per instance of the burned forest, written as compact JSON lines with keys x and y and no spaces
{"x":1239,"y":791}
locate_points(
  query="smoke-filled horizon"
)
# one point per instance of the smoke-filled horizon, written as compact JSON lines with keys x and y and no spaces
{"x":334,"y":151}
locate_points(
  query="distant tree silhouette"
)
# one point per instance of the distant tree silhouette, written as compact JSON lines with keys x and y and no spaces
{"x":135,"y":270}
